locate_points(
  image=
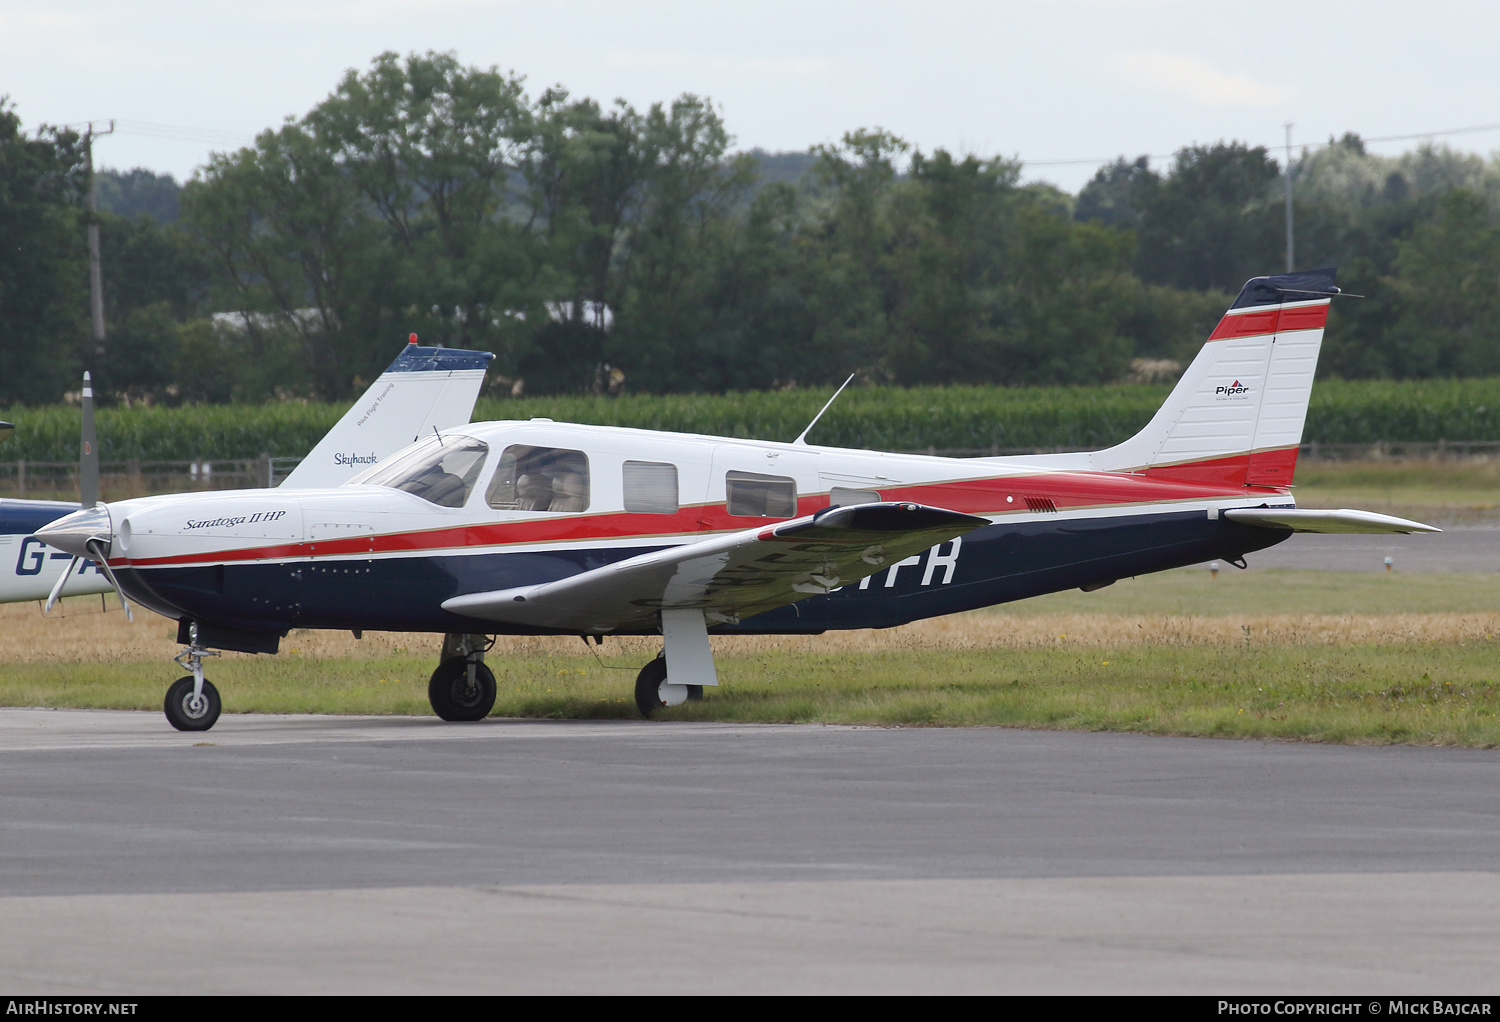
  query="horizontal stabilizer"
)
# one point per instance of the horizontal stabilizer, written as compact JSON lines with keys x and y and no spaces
{"x":728,"y":577}
{"x":1317,"y":520}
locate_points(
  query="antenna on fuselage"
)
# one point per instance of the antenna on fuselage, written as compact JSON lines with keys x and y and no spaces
{"x":802,"y":438}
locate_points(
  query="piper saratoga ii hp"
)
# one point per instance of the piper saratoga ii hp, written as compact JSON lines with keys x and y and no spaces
{"x":540,"y":527}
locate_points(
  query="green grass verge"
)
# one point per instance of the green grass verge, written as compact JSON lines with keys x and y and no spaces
{"x":1414,"y":690}
{"x":1418,"y":693}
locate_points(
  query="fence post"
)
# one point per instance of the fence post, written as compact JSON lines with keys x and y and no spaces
{"x":21,"y":476}
{"x":263,"y":468}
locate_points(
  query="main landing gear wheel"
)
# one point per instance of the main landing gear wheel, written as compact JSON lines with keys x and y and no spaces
{"x":455,"y":697}
{"x":186,"y":713}
{"x":653,"y":691}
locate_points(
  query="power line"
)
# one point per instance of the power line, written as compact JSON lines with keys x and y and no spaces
{"x":176,"y":132}
{"x":182,"y":133}
{"x":1304,"y":147}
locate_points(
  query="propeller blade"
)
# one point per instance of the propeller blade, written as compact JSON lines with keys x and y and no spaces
{"x":96,"y":547}
{"x":62,"y":580}
{"x":88,"y":451}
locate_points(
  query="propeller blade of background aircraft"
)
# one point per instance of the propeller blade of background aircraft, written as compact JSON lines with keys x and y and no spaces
{"x":88,"y":459}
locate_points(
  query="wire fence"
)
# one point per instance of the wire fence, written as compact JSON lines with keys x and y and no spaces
{"x":58,"y":480}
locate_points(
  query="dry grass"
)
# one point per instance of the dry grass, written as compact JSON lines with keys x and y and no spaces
{"x":1253,"y":664}
{"x":80,"y":633}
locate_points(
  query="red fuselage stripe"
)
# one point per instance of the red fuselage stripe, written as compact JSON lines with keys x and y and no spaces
{"x":1206,"y":480}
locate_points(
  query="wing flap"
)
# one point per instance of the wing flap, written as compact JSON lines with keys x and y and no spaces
{"x":728,"y":577}
{"x":1343,"y":520}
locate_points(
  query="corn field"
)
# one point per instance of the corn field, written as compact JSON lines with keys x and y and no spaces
{"x":946,"y":418}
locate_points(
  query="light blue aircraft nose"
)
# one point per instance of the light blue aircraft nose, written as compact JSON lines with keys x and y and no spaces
{"x":72,"y":533}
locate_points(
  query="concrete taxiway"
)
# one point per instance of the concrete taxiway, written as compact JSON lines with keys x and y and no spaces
{"x":338,"y":854}
{"x":1457,"y":548}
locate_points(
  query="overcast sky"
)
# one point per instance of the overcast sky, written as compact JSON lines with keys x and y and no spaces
{"x":1045,"y":80}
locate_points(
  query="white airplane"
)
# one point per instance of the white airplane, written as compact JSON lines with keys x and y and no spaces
{"x":423,"y":389}
{"x":540,"y":527}
{"x":28,"y":568}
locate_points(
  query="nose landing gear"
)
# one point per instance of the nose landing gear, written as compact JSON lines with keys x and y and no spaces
{"x":193,"y":702}
{"x":462,"y":688}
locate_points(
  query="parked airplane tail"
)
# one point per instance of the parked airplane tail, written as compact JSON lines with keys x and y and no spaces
{"x":423,"y":390}
{"x":1236,"y":416}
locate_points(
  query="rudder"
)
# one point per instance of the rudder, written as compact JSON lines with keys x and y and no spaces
{"x":1236,"y":416}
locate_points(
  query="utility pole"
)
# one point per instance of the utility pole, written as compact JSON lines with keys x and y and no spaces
{"x":96,"y":280}
{"x":1289,"y":249}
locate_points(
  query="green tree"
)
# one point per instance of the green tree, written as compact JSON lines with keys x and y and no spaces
{"x":155,"y":278}
{"x":1447,"y":322}
{"x":1211,"y":223}
{"x":1112,"y":197}
{"x":43,"y":261}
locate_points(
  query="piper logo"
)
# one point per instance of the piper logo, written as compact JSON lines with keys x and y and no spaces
{"x":1235,"y":389}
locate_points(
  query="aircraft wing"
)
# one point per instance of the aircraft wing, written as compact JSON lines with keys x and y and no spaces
{"x":1317,"y":520}
{"x":729,"y":577}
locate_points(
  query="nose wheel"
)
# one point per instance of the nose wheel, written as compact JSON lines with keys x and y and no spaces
{"x":193,"y":702}
{"x":188,"y":710}
{"x":653,"y":690}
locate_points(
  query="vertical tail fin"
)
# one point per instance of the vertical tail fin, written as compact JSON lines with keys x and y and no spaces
{"x":423,"y":390}
{"x":1236,"y":416}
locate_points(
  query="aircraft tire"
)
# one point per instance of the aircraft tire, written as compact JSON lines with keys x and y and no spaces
{"x":182,"y":715}
{"x":450,"y":695}
{"x":648,"y":688}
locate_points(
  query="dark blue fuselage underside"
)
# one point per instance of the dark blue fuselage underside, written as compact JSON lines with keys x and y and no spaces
{"x":997,"y":564}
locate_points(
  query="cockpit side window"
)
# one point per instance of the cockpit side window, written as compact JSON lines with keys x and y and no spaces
{"x":540,"y":479}
{"x":442,"y":469}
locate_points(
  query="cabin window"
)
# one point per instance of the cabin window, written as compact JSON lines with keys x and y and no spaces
{"x":441,"y":468}
{"x":757,"y":496}
{"x":540,"y":479}
{"x":842,"y":495}
{"x":651,"y":487}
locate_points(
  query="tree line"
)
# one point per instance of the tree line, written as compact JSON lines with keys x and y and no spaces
{"x":599,"y":247}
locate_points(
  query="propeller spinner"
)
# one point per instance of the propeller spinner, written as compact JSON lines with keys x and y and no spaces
{"x":85,"y":533}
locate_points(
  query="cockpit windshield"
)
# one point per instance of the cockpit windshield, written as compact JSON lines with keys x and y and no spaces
{"x":442,"y":469}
